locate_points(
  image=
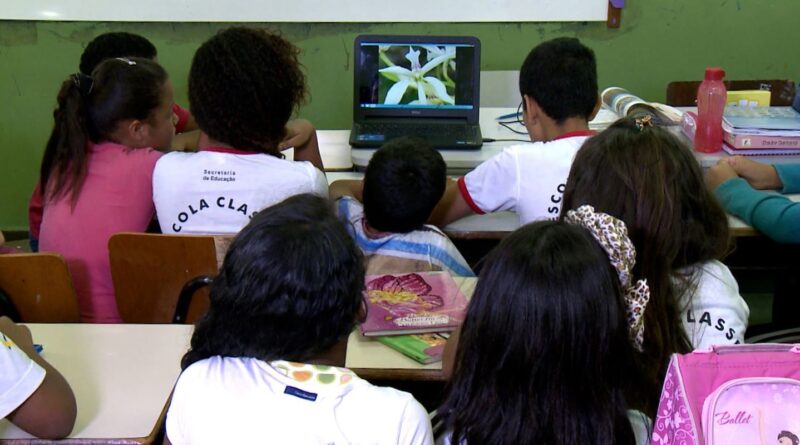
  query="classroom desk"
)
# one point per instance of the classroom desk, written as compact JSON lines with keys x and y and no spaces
{"x":121,"y":375}
{"x":461,"y":161}
{"x":370,"y":359}
{"x":334,"y":148}
{"x":499,"y":225}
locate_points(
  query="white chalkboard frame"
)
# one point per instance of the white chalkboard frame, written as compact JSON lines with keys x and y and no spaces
{"x":354,"y":11}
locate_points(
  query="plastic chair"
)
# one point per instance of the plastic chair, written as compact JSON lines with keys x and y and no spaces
{"x":684,"y":93}
{"x":39,"y":288}
{"x":150,"y":272}
{"x":790,"y":335}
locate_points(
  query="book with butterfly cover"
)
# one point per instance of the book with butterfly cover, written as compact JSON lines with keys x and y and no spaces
{"x":413,"y":303}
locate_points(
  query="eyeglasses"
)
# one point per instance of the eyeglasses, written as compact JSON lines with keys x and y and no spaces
{"x":508,"y":124}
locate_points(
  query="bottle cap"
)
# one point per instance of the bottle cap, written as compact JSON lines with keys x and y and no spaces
{"x":714,"y":73}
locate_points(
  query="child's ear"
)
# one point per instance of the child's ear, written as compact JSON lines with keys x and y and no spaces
{"x":530,"y":109}
{"x":138,"y":131}
{"x":596,"y":109}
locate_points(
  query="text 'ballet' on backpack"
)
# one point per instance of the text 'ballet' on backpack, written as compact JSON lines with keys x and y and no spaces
{"x":738,"y":394}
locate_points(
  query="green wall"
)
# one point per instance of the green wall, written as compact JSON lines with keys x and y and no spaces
{"x":659,"y":41}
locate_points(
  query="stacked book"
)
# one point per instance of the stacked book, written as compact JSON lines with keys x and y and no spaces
{"x":758,"y":131}
{"x":761,"y":131}
{"x":413,"y":313}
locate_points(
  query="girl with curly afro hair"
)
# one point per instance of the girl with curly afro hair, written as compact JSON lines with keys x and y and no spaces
{"x":244,"y":86}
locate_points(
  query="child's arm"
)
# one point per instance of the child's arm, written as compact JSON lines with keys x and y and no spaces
{"x":451,"y":207}
{"x":302,"y":135}
{"x":771,"y":214}
{"x":191,"y":125}
{"x":50,"y":411}
{"x":346,"y":187}
{"x":186,"y":141}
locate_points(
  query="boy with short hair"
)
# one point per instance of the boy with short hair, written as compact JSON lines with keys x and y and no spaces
{"x":403,"y":182}
{"x":558,"y":83}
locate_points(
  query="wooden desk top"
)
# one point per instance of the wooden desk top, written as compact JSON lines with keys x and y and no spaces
{"x":121,"y":374}
{"x":371,"y":359}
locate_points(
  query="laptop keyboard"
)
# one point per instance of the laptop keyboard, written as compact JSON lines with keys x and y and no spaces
{"x":392,"y":130}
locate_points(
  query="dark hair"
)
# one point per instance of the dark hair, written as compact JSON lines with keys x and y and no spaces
{"x":404,"y":181}
{"x":561,"y":75}
{"x":244,"y":84}
{"x":789,"y":435}
{"x":543,"y":350}
{"x":290,"y":287}
{"x":651,"y":181}
{"x":89,"y":109}
{"x":115,"y":44}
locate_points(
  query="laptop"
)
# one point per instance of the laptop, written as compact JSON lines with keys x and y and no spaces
{"x":423,"y":86}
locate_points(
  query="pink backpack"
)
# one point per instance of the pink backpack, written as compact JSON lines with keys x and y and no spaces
{"x":740,"y":394}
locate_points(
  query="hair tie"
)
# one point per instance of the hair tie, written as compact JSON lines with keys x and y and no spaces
{"x":126,"y":60}
{"x":84,"y":83}
{"x":612,"y":235}
{"x":644,"y":121}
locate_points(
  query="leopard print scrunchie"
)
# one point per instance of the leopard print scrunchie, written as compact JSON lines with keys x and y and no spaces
{"x":612,"y":235}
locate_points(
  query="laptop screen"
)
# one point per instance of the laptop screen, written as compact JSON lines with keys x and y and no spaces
{"x":416,"y":76}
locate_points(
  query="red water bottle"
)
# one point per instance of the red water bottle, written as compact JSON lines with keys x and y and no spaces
{"x":711,"y":99}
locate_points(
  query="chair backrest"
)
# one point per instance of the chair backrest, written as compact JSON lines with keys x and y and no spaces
{"x":149,"y":272}
{"x":684,"y":93}
{"x":40,"y":287}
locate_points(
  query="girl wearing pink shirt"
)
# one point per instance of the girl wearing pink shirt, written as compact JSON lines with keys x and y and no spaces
{"x":97,"y":170}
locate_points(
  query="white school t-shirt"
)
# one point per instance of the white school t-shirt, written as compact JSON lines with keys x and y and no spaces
{"x":717,"y":314}
{"x":219,"y":190}
{"x":19,"y":376}
{"x":245,"y":400}
{"x":527,"y":179}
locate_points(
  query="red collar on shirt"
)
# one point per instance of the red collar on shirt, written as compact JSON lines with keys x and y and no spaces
{"x":232,"y":151}
{"x":573,"y":134}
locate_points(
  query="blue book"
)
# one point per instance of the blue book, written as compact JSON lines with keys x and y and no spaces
{"x":764,"y":118}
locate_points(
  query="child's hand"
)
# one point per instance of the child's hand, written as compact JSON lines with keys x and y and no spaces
{"x":298,"y":133}
{"x":719,"y":173}
{"x":18,"y":333}
{"x":760,"y":176}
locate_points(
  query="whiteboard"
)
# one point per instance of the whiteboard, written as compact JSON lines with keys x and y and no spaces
{"x":305,"y":10}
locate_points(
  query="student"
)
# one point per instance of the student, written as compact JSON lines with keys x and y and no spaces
{"x":124,"y":44}
{"x":97,"y":170}
{"x":558,"y":83}
{"x":649,"y":179}
{"x":108,"y":46}
{"x":265,"y":361}
{"x":33,"y":395}
{"x":544,"y":354}
{"x":737,"y":180}
{"x":403,"y":182}
{"x":244,"y":85}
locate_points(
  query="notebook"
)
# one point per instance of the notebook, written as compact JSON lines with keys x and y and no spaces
{"x":423,"y":86}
